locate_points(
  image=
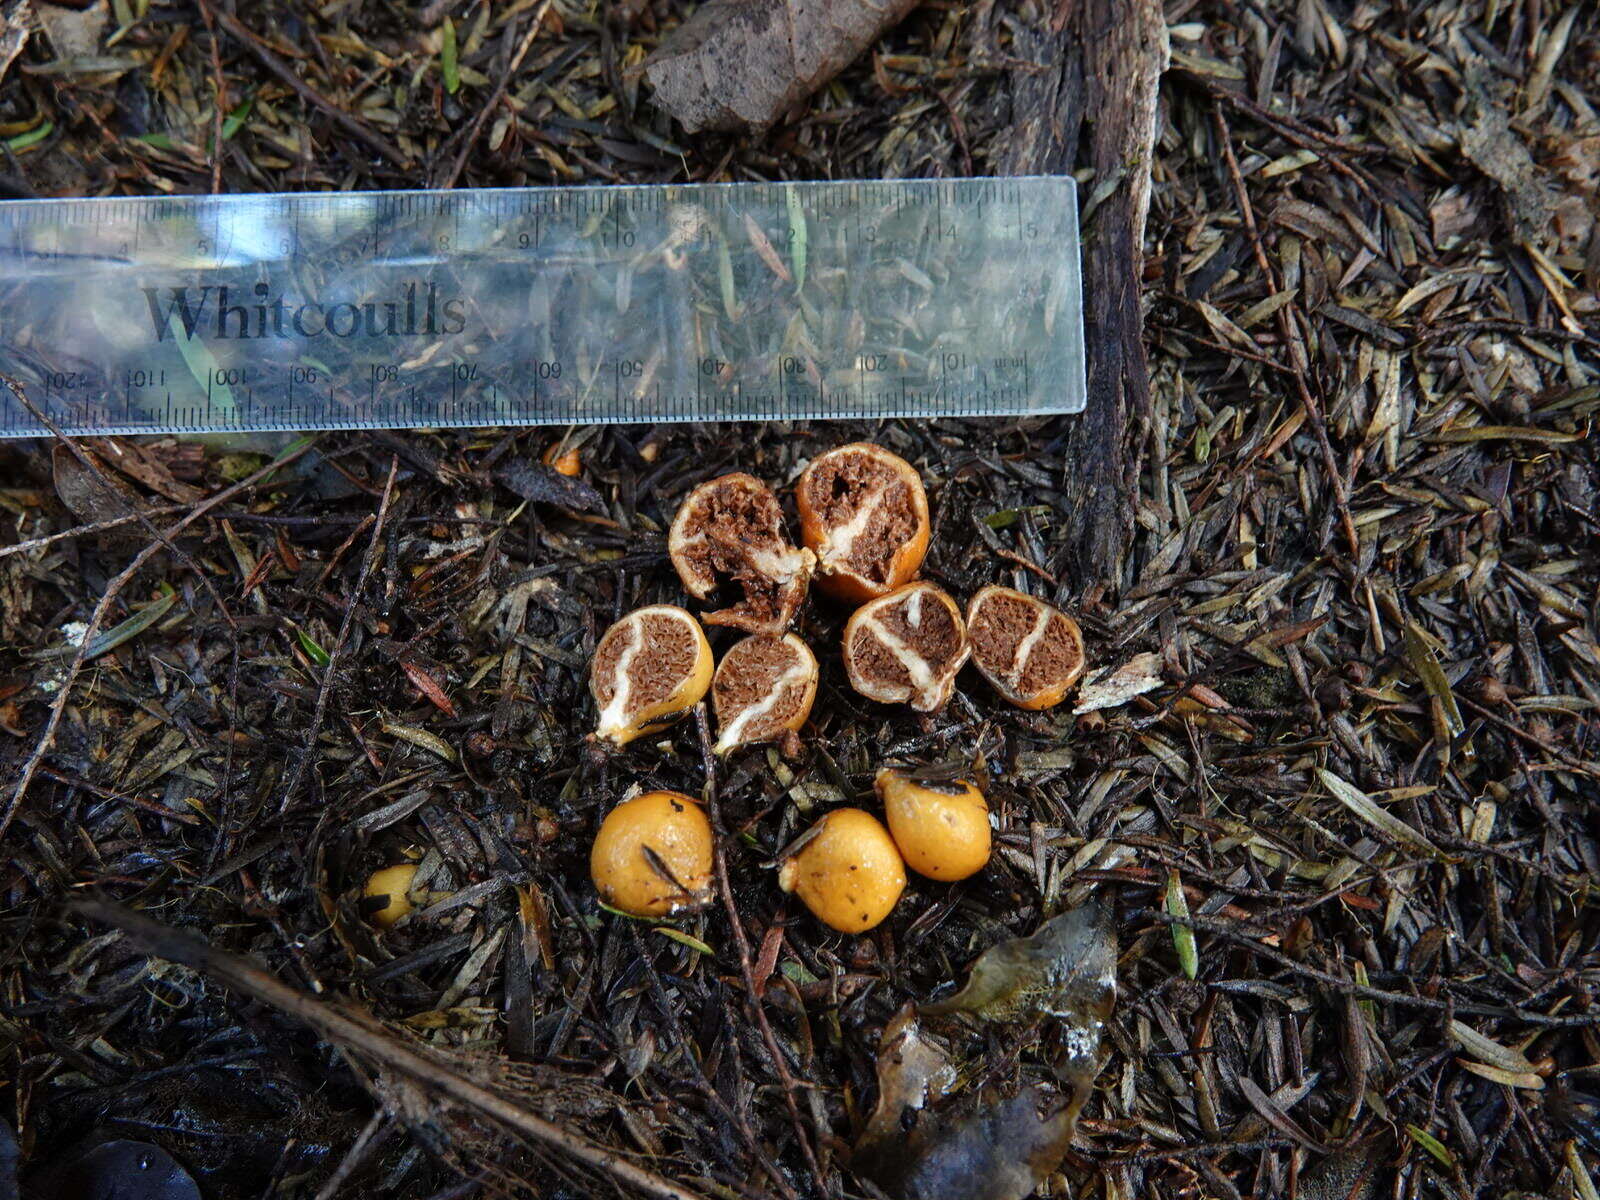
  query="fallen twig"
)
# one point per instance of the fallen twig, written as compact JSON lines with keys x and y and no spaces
{"x":471,"y":139}
{"x":219,"y":88}
{"x":237,"y":973}
{"x":107,"y":598}
{"x":283,"y":71}
{"x":326,"y":687}
{"x":742,"y":944}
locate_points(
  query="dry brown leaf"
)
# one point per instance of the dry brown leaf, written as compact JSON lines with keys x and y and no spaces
{"x":739,"y":64}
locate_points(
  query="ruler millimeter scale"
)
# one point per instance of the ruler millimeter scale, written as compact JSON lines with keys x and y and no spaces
{"x":542,"y":306}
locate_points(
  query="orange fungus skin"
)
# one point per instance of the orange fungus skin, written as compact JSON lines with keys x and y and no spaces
{"x":848,"y":872}
{"x":391,"y":882}
{"x":942,"y":829}
{"x":652,"y":856}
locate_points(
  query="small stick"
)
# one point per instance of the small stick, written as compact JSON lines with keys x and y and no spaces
{"x":96,"y":618}
{"x":306,"y":92}
{"x":713,"y":802}
{"x":326,"y":687}
{"x":476,"y":127}
{"x":219,"y":88}
{"x":39,"y":543}
{"x":239,"y":974}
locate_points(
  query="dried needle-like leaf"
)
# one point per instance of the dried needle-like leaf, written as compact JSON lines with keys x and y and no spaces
{"x":1446,"y":713}
{"x":1368,"y":810}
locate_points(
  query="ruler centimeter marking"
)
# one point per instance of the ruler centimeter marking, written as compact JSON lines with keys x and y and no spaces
{"x":915,"y":298}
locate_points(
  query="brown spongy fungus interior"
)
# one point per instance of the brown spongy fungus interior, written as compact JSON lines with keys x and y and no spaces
{"x":660,"y":666}
{"x":1055,"y":656}
{"x":936,"y":638}
{"x":749,"y":674}
{"x":997,"y":629}
{"x":734,"y":519}
{"x":837,"y":490}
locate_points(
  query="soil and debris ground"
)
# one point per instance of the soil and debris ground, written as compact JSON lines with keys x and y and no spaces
{"x":1373,"y":760}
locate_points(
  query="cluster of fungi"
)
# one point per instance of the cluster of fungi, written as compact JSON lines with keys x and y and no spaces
{"x":864,"y":531}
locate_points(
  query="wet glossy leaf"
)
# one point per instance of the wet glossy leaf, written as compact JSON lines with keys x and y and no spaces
{"x":914,"y":1072}
{"x":1067,"y":969}
{"x":118,"y":1170}
{"x":1000,"y":1151}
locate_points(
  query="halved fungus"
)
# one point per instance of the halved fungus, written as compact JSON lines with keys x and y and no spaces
{"x":763,"y":689}
{"x":864,"y":513}
{"x":729,"y":531}
{"x":1031,"y":653}
{"x":652,"y":856}
{"x":847,"y":871}
{"x":385,"y":898}
{"x":649,"y":669}
{"x":941,"y":825}
{"x":906,"y":647}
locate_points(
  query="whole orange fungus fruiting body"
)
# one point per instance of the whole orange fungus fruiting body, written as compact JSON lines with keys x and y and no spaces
{"x":941,"y":826}
{"x":393,"y":884}
{"x":846,"y":870}
{"x":652,"y":856}
{"x":864,"y":513}
{"x":648,"y":670}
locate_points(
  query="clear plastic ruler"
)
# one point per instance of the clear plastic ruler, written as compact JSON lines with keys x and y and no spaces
{"x":748,"y":301}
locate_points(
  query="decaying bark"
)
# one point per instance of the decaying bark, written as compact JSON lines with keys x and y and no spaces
{"x":1088,"y":97}
{"x":742,"y":64}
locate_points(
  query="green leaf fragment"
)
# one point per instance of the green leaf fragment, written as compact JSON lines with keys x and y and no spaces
{"x":313,"y":651}
{"x":1182,"y":935}
{"x":1432,"y":1145}
{"x":449,"y":67}
{"x":133,"y":626}
{"x":236,"y":119}
{"x":33,"y":137}
{"x":684,"y":939}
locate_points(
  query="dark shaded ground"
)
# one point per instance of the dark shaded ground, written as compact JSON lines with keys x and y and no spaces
{"x":1391,"y":205}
